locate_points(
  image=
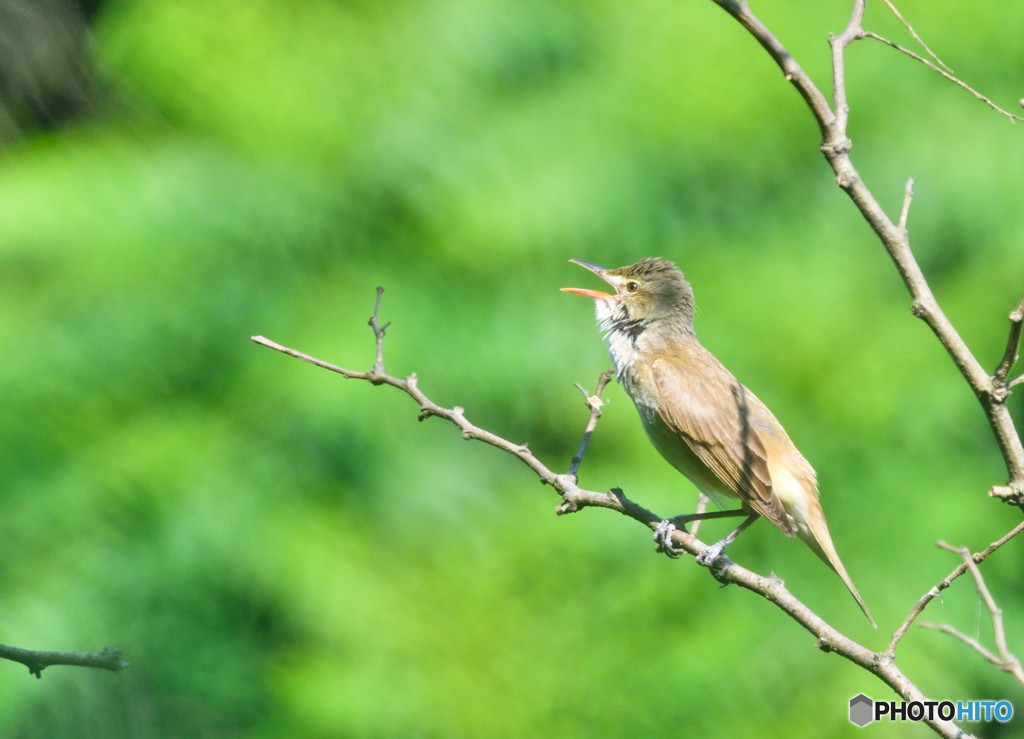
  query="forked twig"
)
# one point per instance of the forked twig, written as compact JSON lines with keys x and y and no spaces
{"x":944,"y":583}
{"x":378,"y":333}
{"x":836,"y":147}
{"x":940,"y":70}
{"x":594,"y":403}
{"x":1005,"y":660}
{"x":917,"y":38}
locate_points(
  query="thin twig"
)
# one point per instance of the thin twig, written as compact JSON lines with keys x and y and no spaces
{"x":37,"y":661}
{"x":835,"y":130}
{"x":969,"y":641}
{"x":908,"y":196}
{"x":594,"y":403}
{"x":1012,"y":346}
{"x":917,"y":38}
{"x":944,"y":583}
{"x":702,"y":505}
{"x":378,"y":332}
{"x":951,"y":77}
{"x":1006,"y":660}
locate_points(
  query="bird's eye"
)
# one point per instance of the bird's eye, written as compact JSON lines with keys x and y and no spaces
{"x":632,"y":287}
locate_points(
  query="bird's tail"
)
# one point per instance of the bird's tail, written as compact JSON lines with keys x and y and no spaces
{"x":817,"y":537}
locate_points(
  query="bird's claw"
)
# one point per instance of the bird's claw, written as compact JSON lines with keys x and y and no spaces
{"x":710,"y":555}
{"x":663,"y":538}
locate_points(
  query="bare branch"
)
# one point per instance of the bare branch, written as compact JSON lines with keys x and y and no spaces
{"x":951,"y":77}
{"x":944,"y":583}
{"x":36,"y":661}
{"x":969,"y":641}
{"x":835,"y":130}
{"x":594,"y":403}
{"x":1006,"y":661}
{"x":378,"y":332}
{"x":917,"y":38}
{"x":908,"y":196}
{"x":1012,"y":346}
{"x":836,"y":147}
{"x":986,"y":597}
{"x":1012,"y":494}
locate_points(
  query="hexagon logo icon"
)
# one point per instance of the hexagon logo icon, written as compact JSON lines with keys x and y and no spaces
{"x":861,"y":710}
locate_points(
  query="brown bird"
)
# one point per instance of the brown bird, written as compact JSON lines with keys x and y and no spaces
{"x":699,"y":417}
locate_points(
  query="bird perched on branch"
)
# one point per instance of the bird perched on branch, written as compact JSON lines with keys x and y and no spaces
{"x":699,"y":417}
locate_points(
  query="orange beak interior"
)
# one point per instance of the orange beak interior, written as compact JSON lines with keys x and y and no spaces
{"x":596,"y":294}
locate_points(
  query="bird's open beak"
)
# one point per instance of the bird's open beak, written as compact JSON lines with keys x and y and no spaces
{"x":596,"y":294}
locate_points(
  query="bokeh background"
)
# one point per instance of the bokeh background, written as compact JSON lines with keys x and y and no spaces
{"x":281,"y":552}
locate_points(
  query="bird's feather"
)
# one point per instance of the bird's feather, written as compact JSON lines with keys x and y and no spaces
{"x":722,"y":423}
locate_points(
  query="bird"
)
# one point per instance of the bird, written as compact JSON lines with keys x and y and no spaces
{"x":699,"y":417}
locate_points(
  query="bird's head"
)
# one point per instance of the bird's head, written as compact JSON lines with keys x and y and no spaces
{"x":650,"y":291}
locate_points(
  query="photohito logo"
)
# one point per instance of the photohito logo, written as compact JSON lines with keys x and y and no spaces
{"x":863,"y":710}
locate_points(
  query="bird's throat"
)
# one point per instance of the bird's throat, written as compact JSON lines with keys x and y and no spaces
{"x":633,"y":342}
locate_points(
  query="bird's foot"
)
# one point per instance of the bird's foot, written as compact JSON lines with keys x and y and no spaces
{"x":711,"y":554}
{"x":663,"y":538}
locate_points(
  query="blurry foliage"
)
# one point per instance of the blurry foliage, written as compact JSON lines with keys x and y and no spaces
{"x":280,"y":552}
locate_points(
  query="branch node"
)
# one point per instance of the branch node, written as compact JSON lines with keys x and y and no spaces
{"x":1012,"y":493}
{"x":571,"y":500}
{"x":837,"y":147}
{"x":377,"y":372}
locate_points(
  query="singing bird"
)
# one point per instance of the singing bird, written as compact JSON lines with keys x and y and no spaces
{"x":698,"y":416}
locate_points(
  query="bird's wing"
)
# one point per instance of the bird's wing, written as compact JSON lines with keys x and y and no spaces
{"x":719,"y":420}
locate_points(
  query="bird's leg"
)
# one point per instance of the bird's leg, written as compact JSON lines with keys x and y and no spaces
{"x":704,"y":515}
{"x":713,"y":552}
{"x":663,"y":531}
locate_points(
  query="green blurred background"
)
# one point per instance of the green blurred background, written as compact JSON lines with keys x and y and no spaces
{"x":280,"y":552}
